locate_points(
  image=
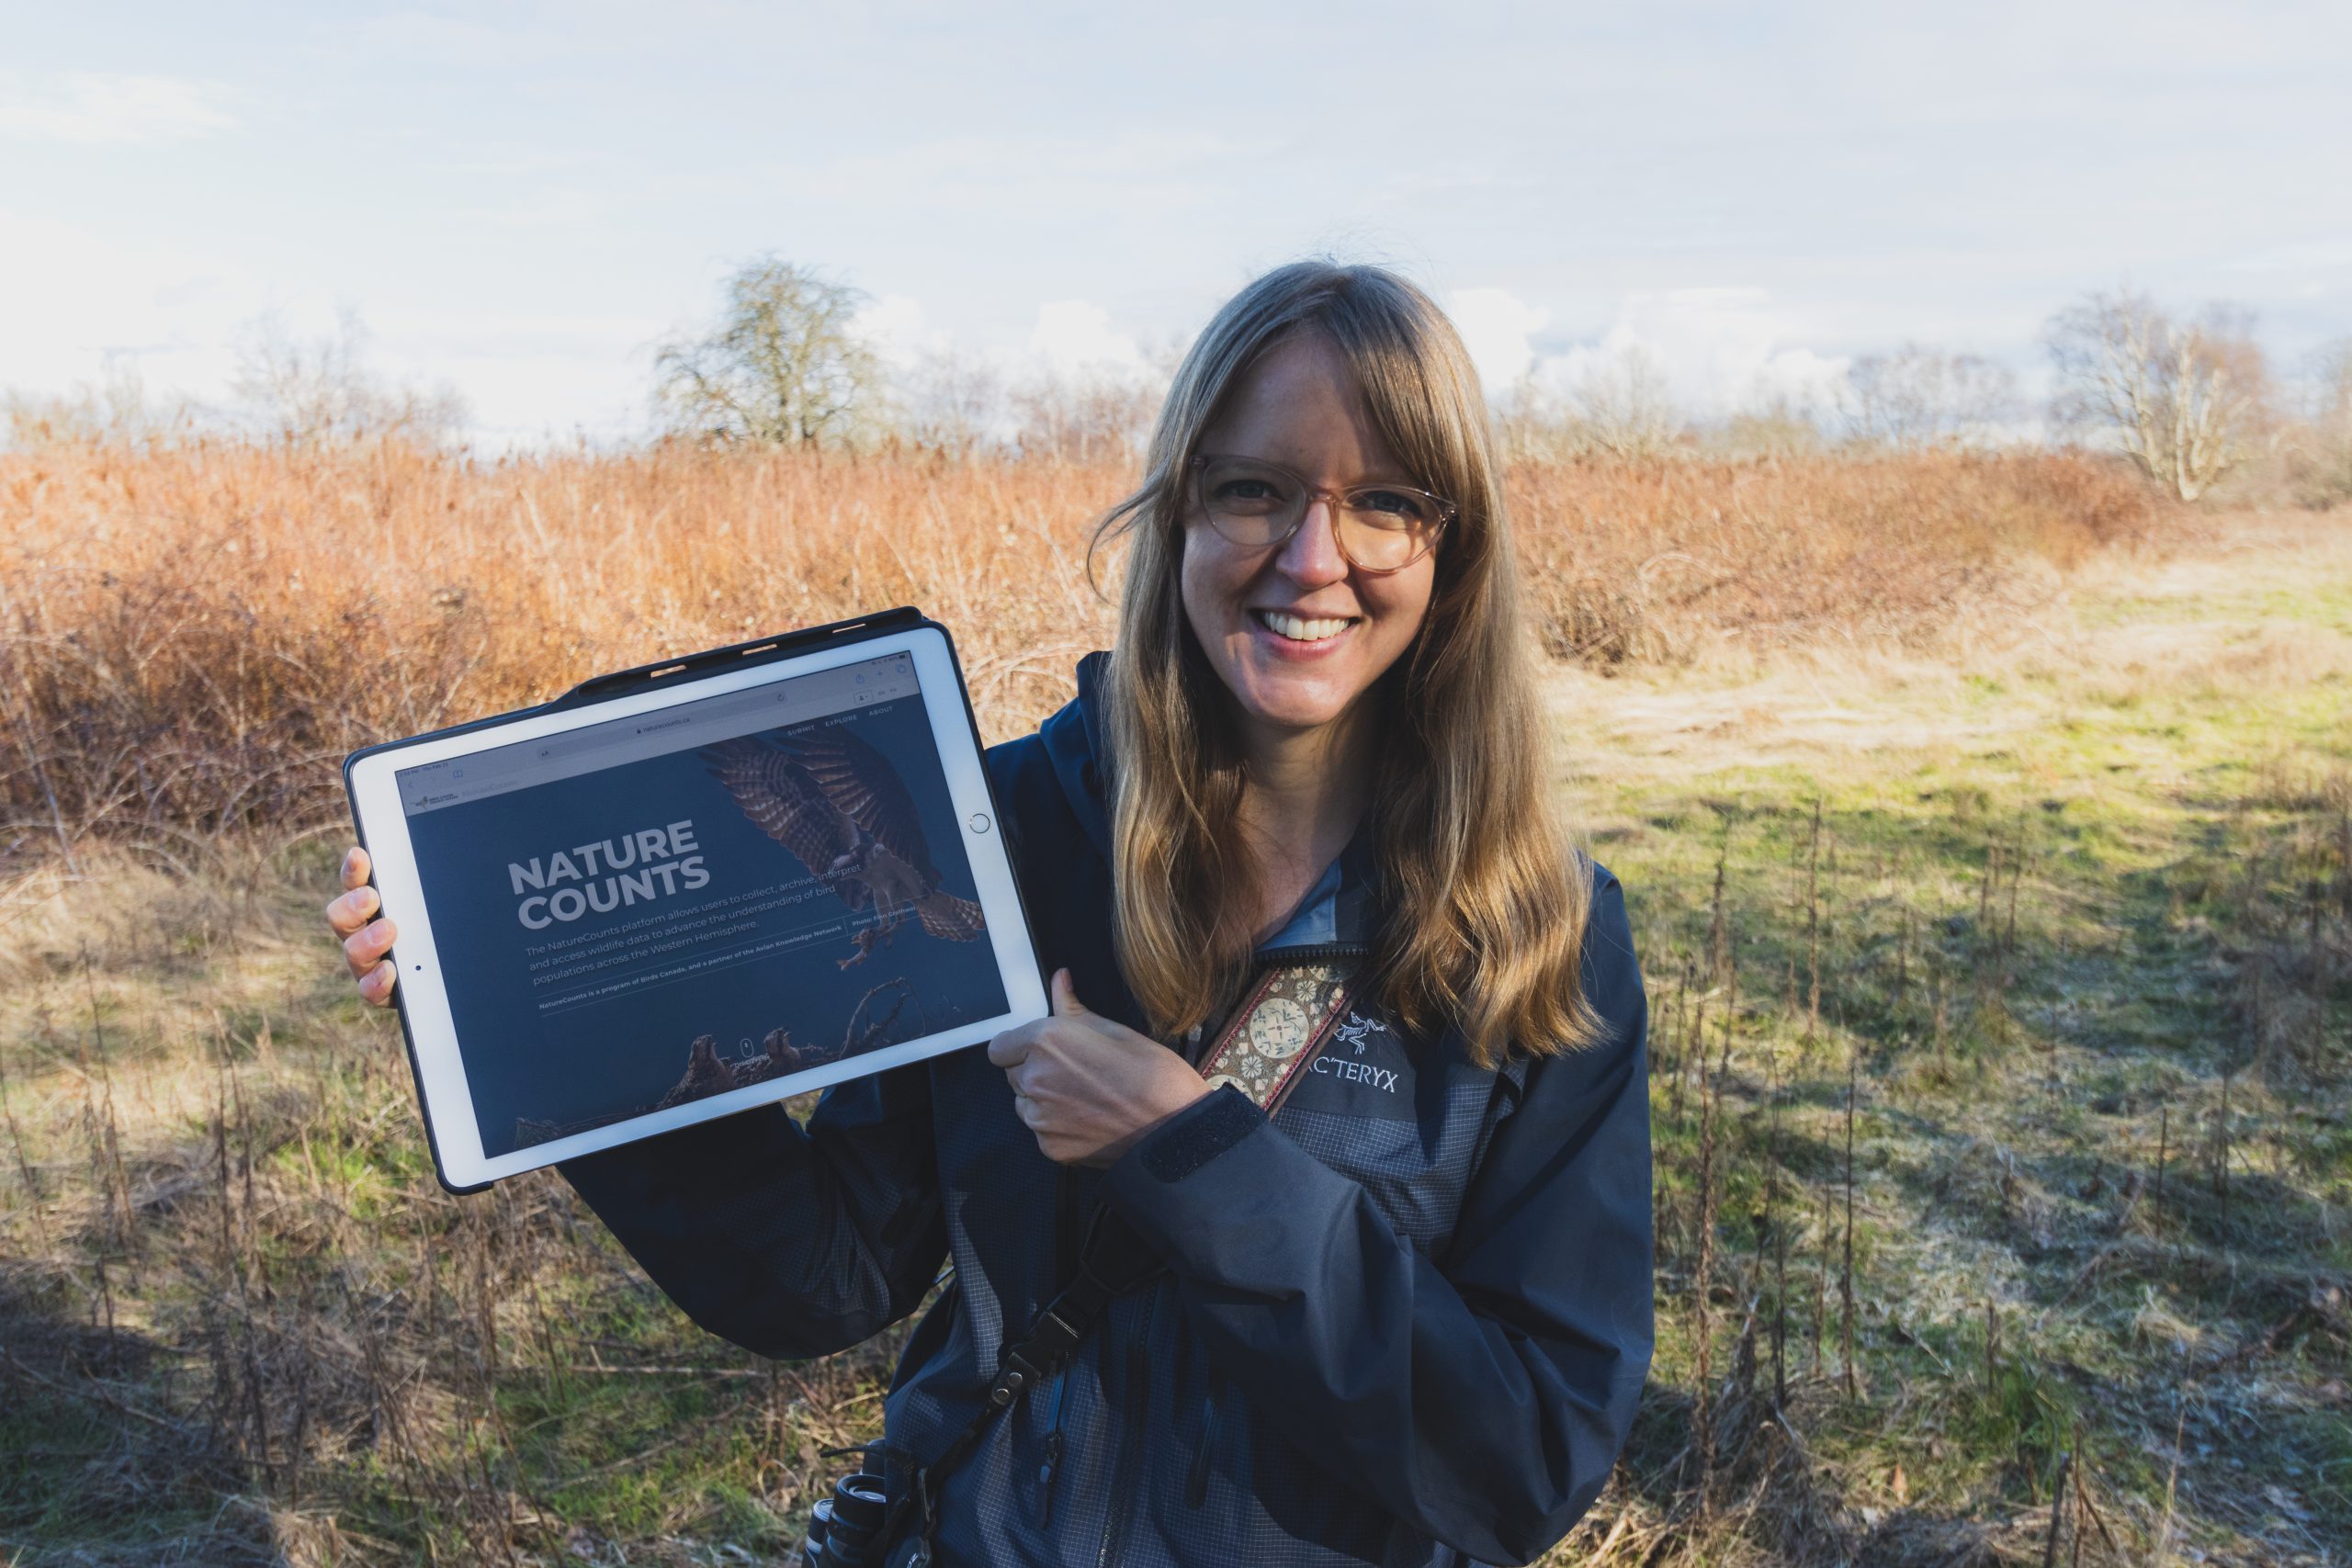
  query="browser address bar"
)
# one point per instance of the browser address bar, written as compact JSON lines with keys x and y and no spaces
{"x":516,"y":767}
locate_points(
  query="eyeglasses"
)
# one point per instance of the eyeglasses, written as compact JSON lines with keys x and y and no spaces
{"x":1380,"y":527}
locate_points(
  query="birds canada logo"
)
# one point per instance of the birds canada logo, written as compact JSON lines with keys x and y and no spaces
{"x":844,"y":812}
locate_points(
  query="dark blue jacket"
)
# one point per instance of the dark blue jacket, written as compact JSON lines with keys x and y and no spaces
{"x":1406,"y":1320}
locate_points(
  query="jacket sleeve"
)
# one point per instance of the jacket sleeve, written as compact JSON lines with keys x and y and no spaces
{"x":1484,"y":1394}
{"x":789,"y":1241}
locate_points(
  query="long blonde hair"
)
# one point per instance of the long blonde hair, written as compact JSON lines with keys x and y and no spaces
{"x":1485,"y":901}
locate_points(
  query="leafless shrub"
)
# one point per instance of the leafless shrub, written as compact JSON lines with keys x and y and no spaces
{"x":1625,"y":404}
{"x":2318,"y":449}
{"x":1094,"y":414}
{"x":952,"y":402}
{"x":1620,"y":407}
{"x":322,"y":390}
{"x":118,"y":410}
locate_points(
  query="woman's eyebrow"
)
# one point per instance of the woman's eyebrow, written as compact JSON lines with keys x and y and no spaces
{"x":1374,"y":477}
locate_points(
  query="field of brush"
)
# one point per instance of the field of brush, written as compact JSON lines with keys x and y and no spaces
{"x":1987,"y":831}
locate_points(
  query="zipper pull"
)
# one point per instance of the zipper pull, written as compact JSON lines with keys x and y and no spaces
{"x":1046,"y":1476}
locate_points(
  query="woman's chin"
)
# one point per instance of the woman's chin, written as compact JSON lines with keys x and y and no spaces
{"x":1292,"y":704}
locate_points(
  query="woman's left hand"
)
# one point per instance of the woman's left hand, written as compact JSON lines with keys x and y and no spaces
{"x":1088,"y":1087}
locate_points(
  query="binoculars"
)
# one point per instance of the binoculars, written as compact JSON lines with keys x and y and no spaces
{"x":844,"y":1528}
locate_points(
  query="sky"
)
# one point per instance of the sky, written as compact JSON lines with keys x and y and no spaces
{"x":520,"y":202}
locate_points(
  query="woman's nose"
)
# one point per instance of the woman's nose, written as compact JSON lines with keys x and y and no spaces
{"x":1311,"y":556}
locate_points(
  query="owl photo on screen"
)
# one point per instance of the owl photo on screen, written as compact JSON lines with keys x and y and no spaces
{"x":842,"y":810}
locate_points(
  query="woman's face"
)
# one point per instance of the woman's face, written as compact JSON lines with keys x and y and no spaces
{"x":1295,"y":632}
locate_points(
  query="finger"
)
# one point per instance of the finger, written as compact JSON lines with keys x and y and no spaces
{"x":1065,"y":1002}
{"x":354,"y":868}
{"x":375,"y":986}
{"x":1027,"y":1110}
{"x":362,"y":948}
{"x":1009,"y":1049}
{"x":347,"y":912}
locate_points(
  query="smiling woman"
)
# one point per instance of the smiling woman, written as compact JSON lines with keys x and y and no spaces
{"x":1331,"y":607}
{"x":1318,"y":1231}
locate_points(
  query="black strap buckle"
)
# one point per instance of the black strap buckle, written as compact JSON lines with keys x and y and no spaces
{"x":1027,"y":1363}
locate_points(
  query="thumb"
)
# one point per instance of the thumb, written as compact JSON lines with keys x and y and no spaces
{"x":1065,"y":1002}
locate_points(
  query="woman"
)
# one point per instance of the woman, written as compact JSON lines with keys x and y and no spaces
{"x":1397,"y":1311}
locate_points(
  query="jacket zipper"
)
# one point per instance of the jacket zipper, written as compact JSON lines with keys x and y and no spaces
{"x":1196,"y":1480}
{"x":1309,"y":952}
{"x":1049,"y":1471}
{"x":1124,"y":1473}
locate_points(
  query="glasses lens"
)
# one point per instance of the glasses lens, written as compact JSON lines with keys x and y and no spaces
{"x":1386,"y":528}
{"x":1250,"y":503}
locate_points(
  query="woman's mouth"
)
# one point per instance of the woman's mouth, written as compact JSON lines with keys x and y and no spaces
{"x":1302,"y":628}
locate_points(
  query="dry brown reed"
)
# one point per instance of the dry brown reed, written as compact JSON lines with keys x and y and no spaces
{"x":1641,"y":560}
{"x":192,"y":638}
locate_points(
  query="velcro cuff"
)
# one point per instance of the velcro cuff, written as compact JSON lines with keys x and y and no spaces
{"x":1199,"y":1133}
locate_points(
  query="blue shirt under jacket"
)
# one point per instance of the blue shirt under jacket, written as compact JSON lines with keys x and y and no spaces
{"x":1406,"y":1320}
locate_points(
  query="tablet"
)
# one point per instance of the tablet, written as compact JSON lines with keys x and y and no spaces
{"x":691,"y":889}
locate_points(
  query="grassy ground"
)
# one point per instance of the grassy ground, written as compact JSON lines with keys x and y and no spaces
{"x":2076,"y":909}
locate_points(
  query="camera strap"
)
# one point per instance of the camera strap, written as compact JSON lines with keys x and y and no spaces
{"x":1282,"y":1024}
{"x":1112,"y":1261}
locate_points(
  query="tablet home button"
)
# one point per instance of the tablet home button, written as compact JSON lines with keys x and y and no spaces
{"x":979,"y":821}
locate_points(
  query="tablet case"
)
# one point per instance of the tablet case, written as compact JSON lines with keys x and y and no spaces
{"x":644,"y":677}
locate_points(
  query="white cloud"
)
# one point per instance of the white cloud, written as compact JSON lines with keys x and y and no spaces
{"x":99,"y":109}
{"x":1498,"y":328}
{"x":1074,"y":335}
{"x":1720,"y":349}
{"x":900,"y":329}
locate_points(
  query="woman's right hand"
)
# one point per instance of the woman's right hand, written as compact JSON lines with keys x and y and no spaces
{"x":365,"y":941}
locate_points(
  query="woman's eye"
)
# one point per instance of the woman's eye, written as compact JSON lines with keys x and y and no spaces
{"x":1247,"y":490}
{"x":1389,"y":504}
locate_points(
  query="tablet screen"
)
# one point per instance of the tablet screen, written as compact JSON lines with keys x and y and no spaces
{"x":654,"y":909}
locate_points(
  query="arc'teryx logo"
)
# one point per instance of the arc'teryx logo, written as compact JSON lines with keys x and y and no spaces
{"x":1355,"y":1032}
{"x":1357,"y":1028}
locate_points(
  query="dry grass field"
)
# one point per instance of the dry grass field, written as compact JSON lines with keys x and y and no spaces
{"x":1988,"y":836}
{"x":190,"y":639}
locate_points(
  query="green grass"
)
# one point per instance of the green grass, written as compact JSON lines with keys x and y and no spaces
{"x":479,"y":1379}
{"x":2147,"y":854}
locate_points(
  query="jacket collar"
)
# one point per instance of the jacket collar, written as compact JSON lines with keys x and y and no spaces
{"x":1077,"y":740}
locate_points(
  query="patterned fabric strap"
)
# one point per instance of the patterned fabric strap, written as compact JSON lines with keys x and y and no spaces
{"x":1278,"y":1029}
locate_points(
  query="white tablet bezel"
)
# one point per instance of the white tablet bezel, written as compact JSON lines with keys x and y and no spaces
{"x":424,"y":1002}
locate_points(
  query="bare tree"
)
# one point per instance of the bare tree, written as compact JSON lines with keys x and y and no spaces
{"x":1922,"y":397}
{"x":2185,"y":401}
{"x":1626,"y":405}
{"x":1087,"y":413}
{"x":321,"y":390}
{"x":785,"y":364}
{"x":951,"y":400}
